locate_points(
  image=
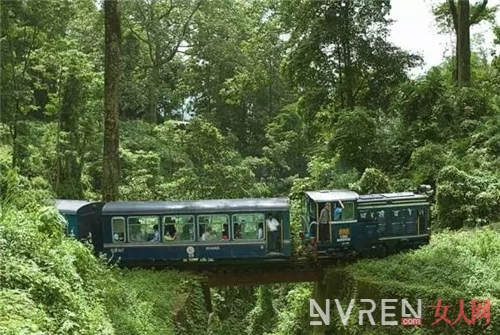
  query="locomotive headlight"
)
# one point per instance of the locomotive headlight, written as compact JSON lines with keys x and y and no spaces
{"x":344,"y":231}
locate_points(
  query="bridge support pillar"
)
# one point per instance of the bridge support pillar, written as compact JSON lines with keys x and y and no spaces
{"x":320,"y":295}
{"x":207,"y":296}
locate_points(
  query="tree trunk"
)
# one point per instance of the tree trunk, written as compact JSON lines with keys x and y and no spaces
{"x":111,"y":159}
{"x":463,"y":42}
{"x":462,"y":21}
{"x":349,"y":75}
{"x":152,"y":113}
{"x":69,"y":160}
{"x":454,"y":17}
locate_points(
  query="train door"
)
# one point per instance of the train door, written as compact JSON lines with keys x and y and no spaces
{"x":422,"y":221}
{"x":84,"y":221}
{"x":275,"y":232}
{"x":312,"y":217}
{"x":368,"y":220}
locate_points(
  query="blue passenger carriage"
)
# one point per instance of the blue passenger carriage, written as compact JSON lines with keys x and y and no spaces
{"x":342,"y":223}
{"x":83,"y":218}
{"x":197,"y":231}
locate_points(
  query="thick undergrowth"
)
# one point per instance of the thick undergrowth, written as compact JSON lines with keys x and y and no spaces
{"x":455,"y":266}
{"x":50,"y":284}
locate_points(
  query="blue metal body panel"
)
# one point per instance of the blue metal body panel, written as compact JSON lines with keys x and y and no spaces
{"x":196,"y":250}
{"x":193,"y":252}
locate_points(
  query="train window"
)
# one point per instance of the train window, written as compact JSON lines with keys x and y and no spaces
{"x":312,"y":210}
{"x":178,"y":228}
{"x":213,"y":227}
{"x":367,"y":216}
{"x":249,"y":226}
{"x":347,"y":211}
{"x":411,"y":214}
{"x":118,"y":229}
{"x":143,"y":229}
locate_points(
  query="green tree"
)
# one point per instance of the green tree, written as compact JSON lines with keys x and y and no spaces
{"x":156,"y":30}
{"x":460,"y":16}
{"x":233,"y":70}
{"x":355,"y":139}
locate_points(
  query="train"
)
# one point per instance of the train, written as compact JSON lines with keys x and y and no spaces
{"x":334,"y":224}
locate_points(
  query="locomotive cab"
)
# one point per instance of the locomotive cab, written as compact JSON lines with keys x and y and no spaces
{"x":327,"y":220}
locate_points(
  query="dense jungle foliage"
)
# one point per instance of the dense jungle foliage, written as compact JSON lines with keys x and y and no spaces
{"x":281,"y":96}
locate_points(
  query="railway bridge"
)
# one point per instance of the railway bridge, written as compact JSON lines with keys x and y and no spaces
{"x":268,"y":272}
{"x":262,"y":272}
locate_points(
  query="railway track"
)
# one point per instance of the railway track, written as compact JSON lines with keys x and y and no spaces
{"x":241,"y":265}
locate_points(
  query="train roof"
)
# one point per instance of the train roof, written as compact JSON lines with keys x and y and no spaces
{"x":332,"y":195}
{"x":196,"y":206}
{"x":69,"y":206}
{"x":383,"y":197}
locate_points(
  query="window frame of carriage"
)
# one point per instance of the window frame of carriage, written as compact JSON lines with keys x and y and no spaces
{"x":196,"y":218}
{"x":177,"y":240}
{"x":141,"y":217}
{"x":198,"y":229}
{"x":242,"y":240}
{"x":125,"y":234}
{"x":348,"y":204}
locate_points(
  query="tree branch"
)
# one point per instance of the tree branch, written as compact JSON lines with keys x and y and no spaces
{"x":148,"y":39}
{"x":183,"y":52}
{"x":142,"y":39}
{"x":175,"y":49}
{"x":167,"y":13}
{"x":454,"y":14}
{"x":477,"y":13}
